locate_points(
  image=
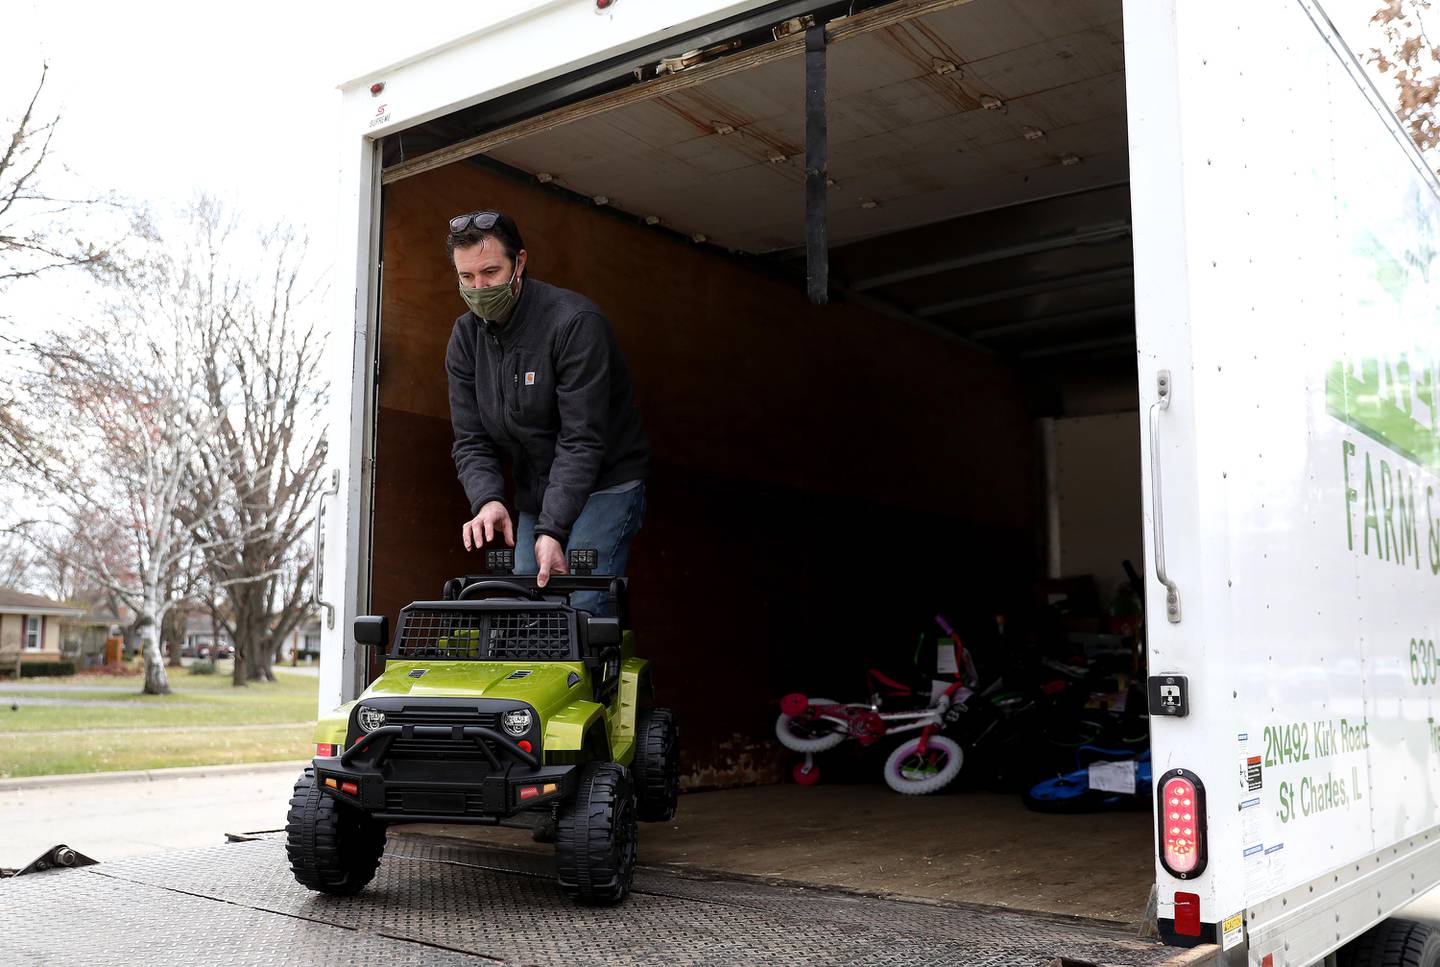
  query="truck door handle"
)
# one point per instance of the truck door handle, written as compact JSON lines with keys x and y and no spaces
{"x":1165,"y":388}
{"x":319,"y":568}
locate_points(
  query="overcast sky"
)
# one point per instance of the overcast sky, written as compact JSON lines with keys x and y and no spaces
{"x":159,"y":99}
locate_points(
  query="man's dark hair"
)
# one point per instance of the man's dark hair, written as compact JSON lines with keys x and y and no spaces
{"x":503,"y":231}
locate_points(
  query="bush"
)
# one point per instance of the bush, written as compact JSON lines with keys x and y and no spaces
{"x":203,"y":666}
{"x":47,"y":669}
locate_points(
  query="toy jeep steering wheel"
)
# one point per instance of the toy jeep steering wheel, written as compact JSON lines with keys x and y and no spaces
{"x":493,"y":589}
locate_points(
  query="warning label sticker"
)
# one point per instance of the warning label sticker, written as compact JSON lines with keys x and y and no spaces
{"x":1232,"y":931}
{"x":1253,"y":780}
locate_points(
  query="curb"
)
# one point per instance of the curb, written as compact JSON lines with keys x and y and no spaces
{"x":151,"y":775}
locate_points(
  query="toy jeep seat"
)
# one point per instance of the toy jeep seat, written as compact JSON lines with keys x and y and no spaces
{"x":500,"y":704}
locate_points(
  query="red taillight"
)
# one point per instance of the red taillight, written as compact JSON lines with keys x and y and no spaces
{"x":1187,"y":914}
{"x":525,"y":745}
{"x":349,"y":788}
{"x":1180,"y":811}
{"x":1179,"y":839}
{"x":326,"y":749}
{"x":529,"y":792}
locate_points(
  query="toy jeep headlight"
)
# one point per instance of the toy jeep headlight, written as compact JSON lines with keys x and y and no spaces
{"x":369,"y":719}
{"x":517,"y":721}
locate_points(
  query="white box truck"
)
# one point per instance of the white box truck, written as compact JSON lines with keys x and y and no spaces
{"x":1198,"y":220}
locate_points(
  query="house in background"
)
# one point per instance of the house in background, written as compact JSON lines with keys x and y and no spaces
{"x":30,"y":627}
{"x":302,"y":644}
{"x":82,"y":639}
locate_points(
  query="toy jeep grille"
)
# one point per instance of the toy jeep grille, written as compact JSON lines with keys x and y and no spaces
{"x":451,"y":748}
{"x":441,"y":715}
{"x":500,"y":635}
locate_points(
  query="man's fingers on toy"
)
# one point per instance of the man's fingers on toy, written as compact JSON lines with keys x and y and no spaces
{"x":489,"y":530}
{"x":509,"y":531}
{"x":465,"y":534}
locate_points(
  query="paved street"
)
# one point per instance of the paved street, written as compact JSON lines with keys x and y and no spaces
{"x":109,"y":820}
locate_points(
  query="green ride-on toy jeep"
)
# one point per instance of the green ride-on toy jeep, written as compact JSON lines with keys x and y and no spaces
{"x":499,"y":705}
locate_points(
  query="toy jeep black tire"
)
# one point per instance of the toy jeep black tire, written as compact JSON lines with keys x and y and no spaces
{"x":595,"y":836}
{"x":332,"y":848}
{"x":656,"y":769}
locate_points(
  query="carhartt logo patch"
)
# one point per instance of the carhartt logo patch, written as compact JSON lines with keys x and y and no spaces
{"x":529,"y":379}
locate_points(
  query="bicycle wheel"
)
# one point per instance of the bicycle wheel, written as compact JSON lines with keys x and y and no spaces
{"x":913,"y":773}
{"x":809,"y":732}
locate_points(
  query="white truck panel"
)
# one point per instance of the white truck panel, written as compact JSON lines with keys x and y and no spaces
{"x":520,"y":45}
{"x":1298,"y":267}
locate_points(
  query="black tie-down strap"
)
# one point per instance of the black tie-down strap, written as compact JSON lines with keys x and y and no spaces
{"x":817,"y":160}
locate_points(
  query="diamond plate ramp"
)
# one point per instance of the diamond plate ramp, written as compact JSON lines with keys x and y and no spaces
{"x":434,"y":900}
{"x":68,"y":917}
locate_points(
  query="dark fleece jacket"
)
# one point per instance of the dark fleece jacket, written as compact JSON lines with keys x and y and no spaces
{"x":549,"y":387}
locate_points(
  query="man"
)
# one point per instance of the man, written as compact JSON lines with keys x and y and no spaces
{"x":535,"y":371}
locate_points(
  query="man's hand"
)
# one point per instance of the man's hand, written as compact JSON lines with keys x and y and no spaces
{"x":493,"y":519}
{"x":550,"y":556}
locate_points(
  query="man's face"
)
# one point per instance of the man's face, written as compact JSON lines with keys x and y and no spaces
{"x":478,"y":266}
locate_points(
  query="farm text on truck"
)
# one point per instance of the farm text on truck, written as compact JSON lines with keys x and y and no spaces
{"x":535,"y":371}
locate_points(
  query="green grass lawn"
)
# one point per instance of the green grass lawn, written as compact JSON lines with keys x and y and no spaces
{"x":99,"y":751}
{"x":191,"y":722}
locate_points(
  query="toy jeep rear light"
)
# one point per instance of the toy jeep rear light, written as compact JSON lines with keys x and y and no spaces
{"x":1180,"y":811}
{"x":349,"y":788}
{"x":537,"y":791}
{"x":326,"y":749}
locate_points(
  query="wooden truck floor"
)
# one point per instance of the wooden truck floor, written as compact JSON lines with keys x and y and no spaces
{"x":953,"y":847}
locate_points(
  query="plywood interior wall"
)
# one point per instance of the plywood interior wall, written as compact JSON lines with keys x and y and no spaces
{"x":791,"y":442}
{"x":1097,"y":467}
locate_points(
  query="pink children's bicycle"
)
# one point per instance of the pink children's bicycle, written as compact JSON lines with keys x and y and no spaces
{"x":925,"y":763}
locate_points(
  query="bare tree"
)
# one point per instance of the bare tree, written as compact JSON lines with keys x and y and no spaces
{"x":33,"y":238}
{"x":17,"y":563}
{"x":1410,"y":58}
{"x":38,"y":231}
{"x":265,"y":391}
{"x":179,"y":446}
{"x":119,"y":418}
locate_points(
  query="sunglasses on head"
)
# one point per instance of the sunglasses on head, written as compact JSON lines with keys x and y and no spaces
{"x":484,"y":221}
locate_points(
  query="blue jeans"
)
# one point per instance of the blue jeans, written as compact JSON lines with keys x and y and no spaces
{"x":607,"y":523}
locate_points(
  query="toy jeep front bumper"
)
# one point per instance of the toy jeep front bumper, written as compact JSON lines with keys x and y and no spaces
{"x":441,"y":769}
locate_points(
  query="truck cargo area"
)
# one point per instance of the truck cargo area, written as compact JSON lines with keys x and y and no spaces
{"x":956,"y":431}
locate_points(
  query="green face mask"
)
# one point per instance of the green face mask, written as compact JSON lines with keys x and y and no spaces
{"x":492,"y":302}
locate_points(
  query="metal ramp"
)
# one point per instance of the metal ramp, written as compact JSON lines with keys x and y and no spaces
{"x":438,"y":902}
